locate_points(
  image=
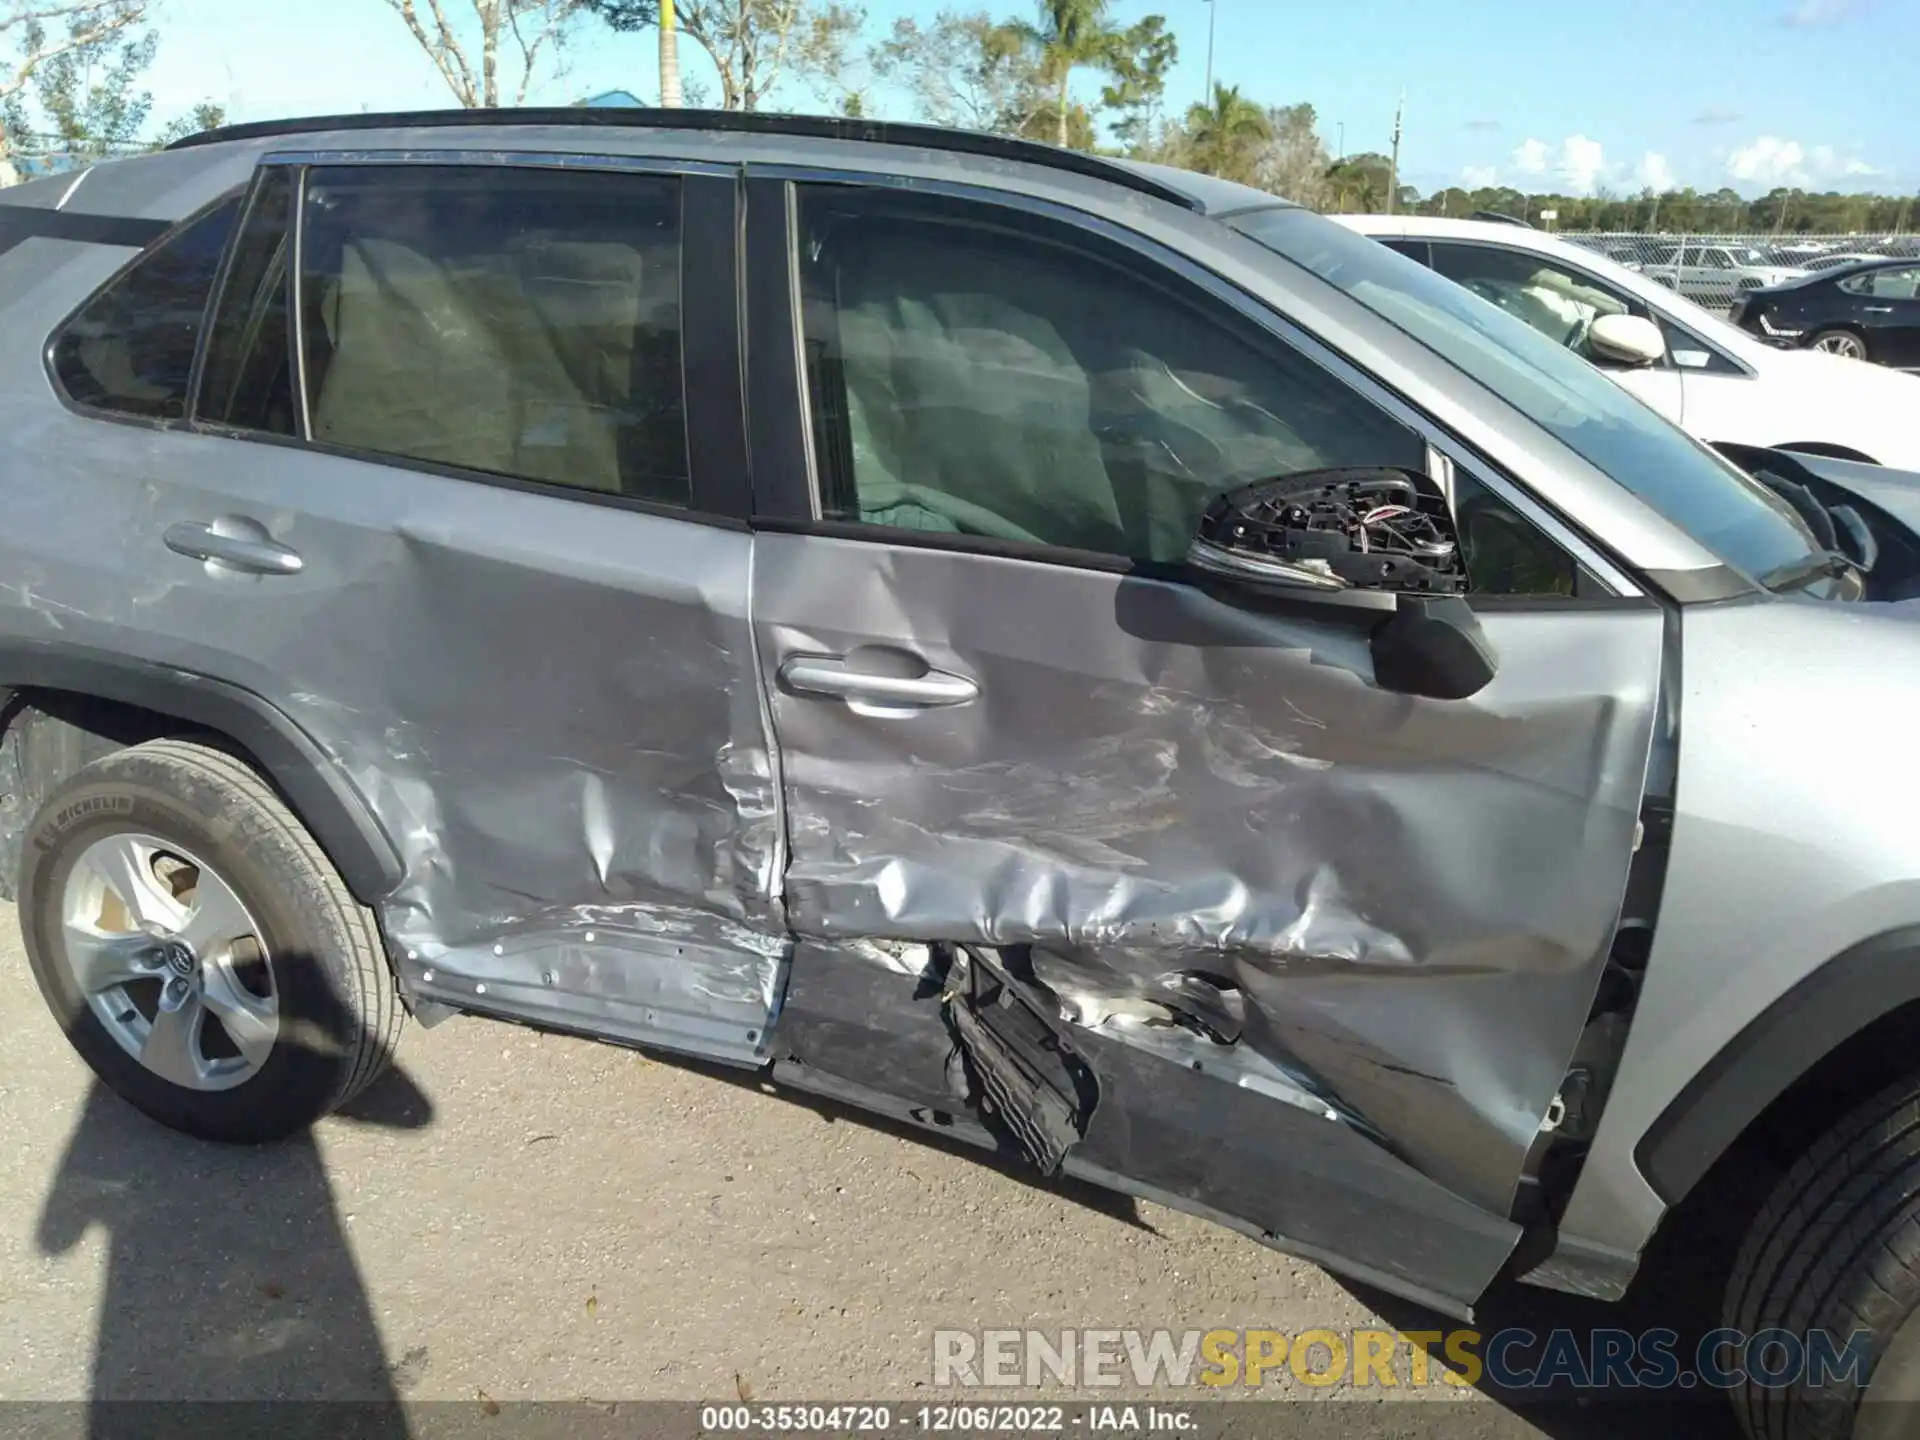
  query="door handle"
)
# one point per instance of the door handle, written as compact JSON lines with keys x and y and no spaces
{"x":829,"y":675}
{"x":1878,"y":309}
{"x":255,"y":555}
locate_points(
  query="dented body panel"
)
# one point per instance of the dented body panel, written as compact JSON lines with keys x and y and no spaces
{"x":549,"y":707}
{"x":1415,"y":898}
{"x":1328,"y":949}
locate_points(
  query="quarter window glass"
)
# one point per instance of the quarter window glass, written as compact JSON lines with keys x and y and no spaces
{"x":1506,"y":553}
{"x":131,"y":349}
{"x":522,"y":322}
{"x":248,"y":382}
{"x":1884,"y":284}
{"x":985,"y":373}
{"x":1553,"y":299}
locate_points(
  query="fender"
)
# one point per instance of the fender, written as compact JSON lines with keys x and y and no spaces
{"x":319,"y":792}
{"x":1822,"y":1011}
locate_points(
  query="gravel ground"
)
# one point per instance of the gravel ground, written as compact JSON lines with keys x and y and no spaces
{"x":537,"y":1218}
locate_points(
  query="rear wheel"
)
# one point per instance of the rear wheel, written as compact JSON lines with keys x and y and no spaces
{"x":1835,"y":1253}
{"x":1839,"y":342}
{"x":203,"y":955}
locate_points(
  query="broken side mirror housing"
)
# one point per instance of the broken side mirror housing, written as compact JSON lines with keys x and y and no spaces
{"x":1324,"y":532}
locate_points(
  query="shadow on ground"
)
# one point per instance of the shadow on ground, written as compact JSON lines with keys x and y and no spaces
{"x":228,"y":1274}
{"x":1678,"y":1289}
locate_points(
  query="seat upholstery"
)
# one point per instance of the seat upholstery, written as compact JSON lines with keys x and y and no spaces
{"x":968,"y":410}
{"x":454,"y":362}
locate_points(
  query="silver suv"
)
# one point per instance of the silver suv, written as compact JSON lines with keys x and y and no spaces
{"x":1713,"y":275}
{"x":1081,"y":657}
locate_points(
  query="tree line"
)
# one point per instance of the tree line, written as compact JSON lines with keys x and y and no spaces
{"x":1062,"y":71}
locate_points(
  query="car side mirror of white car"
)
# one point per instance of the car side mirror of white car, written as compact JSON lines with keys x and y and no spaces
{"x":1626,"y":340}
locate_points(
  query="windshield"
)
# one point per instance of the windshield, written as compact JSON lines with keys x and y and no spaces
{"x":1720,"y":506}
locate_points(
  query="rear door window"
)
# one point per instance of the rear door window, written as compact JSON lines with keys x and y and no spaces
{"x":130,"y":349}
{"x":514,"y":321}
{"x":248,"y":380}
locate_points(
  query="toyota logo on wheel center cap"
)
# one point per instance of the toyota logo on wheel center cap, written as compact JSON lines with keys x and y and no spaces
{"x":179,"y":959}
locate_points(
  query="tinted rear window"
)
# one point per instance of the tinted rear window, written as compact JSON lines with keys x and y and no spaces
{"x":131,"y":349}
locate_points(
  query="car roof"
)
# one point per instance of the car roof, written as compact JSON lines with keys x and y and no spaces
{"x":1210,"y":194}
{"x":1873,"y":262}
{"x":1437,"y":227}
{"x":1192,"y":192}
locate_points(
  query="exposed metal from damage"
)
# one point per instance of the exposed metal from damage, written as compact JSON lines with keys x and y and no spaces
{"x":1166,"y":795}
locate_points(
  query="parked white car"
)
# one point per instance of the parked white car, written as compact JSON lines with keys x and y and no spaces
{"x":1712,"y":379}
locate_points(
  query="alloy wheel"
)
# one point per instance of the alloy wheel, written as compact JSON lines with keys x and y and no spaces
{"x":170,"y":961}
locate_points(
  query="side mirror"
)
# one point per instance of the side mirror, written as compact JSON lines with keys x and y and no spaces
{"x":1433,"y":646}
{"x":1626,"y":340}
{"x":1331,"y":531}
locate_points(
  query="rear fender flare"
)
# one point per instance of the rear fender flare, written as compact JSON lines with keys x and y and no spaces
{"x":316,"y":788}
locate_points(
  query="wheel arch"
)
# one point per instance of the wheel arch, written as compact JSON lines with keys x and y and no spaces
{"x":1843,"y":1031}
{"x":110,"y":702}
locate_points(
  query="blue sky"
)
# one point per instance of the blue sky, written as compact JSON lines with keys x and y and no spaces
{"x":1541,"y":94}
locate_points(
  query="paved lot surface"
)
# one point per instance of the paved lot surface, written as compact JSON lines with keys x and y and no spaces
{"x":538,"y":1218}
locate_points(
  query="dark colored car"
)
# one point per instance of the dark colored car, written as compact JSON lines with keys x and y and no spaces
{"x":1869,"y":311}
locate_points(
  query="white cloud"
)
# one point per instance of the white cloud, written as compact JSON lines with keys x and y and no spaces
{"x":1655,"y":173}
{"x":1811,"y":14}
{"x":1771,"y":161}
{"x":1582,"y":162}
{"x":1828,"y":163}
{"x":1479,"y":177}
{"x":1577,"y":161}
{"x":1532,"y":156}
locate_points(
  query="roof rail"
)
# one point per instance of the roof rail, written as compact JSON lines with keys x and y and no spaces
{"x":817,"y":127}
{"x":1495,"y":217}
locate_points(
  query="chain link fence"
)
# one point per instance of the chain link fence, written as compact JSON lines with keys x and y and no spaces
{"x":1713,"y":270}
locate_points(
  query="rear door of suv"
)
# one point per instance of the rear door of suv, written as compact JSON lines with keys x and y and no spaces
{"x":462,"y":493}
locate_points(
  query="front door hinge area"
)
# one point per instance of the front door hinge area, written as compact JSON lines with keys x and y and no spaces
{"x":1012,"y":1057}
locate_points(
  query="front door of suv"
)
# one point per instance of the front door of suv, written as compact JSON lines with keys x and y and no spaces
{"x":1007,"y":715}
{"x":449,"y":504}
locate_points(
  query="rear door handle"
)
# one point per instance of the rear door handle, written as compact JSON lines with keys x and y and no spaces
{"x":830,"y":675}
{"x":256,"y":555}
{"x":1878,"y":309}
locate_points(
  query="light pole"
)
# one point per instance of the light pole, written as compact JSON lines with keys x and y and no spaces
{"x":1212,"y":10}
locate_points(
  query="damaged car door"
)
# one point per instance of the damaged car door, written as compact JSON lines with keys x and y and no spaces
{"x":1269,"y":940}
{"x":463,"y":497}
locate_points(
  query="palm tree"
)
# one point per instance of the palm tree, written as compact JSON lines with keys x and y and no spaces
{"x":1226,"y":133}
{"x":1071,"y":33}
{"x":669,"y":59}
